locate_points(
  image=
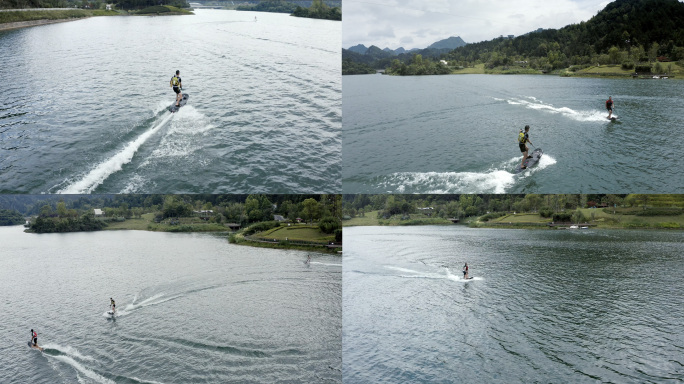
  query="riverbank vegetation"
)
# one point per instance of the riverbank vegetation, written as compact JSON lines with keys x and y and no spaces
{"x":78,"y":8}
{"x":313,"y":236}
{"x":10,"y":217}
{"x":350,"y":67}
{"x":61,"y":14}
{"x":318,"y":10}
{"x":285,"y":221}
{"x":163,"y":10}
{"x":416,"y":67}
{"x":276,"y":6}
{"x":517,"y":211}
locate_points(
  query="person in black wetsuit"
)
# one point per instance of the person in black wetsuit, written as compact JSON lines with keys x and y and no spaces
{"x":523,"y":139}
{"x":609,"y":106}
{"x":177,"y":87}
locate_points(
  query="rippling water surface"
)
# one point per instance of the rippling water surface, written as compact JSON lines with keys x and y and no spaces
{"x":579,"y":306}
{"x":192,"y":309}
{"x":458,"y":134}
{"x":85,"y":104}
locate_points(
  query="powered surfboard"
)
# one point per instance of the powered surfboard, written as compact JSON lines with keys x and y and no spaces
{"x":531,"y":161}
{"x":183,"y":101}
{"x":30,"y":344}
{"x":613,"y":119}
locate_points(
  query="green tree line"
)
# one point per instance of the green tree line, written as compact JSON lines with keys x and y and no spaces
{"x":69,"y":213}
{"x":462,"y":206}
{"x":277,"y":6}
{"x":10,"y":217}
{"x":318,"y":10}
{"x":625,"y":31}
{"x":417,"y":66}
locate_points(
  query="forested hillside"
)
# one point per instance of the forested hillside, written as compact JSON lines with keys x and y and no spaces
{"x":626,"y":32}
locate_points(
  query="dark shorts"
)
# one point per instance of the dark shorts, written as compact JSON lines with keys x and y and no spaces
{"x":35,"y":340}
{"x":609,"y":109}
{"x":176,"y":89}
{"x":523,"y":147}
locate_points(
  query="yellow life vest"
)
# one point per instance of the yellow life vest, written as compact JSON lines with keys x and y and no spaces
{"x":174,"y":81}
{"x":521,"y":137}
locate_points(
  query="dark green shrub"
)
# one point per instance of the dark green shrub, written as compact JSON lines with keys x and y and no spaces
{"x":329,"y":224}
{"x":660,"y":212}
{"x":645,"y":68}
{"x":546,"y":212}
{"x":492,"y":215}
{"x":627,"y":65}
{"x":562,"y":217}
{"x":260,"y":227}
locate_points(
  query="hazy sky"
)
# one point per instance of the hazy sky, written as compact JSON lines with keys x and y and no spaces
{"x":419,"y":23}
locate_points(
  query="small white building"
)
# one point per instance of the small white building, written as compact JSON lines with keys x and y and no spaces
{"x":109,"y":7}
{"x":443,"y":62}
{"x":98,"y":212}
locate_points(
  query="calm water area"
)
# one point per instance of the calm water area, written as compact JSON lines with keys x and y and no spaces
{"x":85,"y":105}
{"x":458,"y":134}
{"x":192,"y":308}
{"x":581,"y":306}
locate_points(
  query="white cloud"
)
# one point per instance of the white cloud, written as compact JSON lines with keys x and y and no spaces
{"x":421,"y":23}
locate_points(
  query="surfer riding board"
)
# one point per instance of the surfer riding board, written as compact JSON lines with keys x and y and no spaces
{"x":531,"y":160}
{"x":177,"y":87}
{"x":183,"y":101}
{"x":466,"y":272}
{"x":609,"y":107}
{"x":33,"y":343}
{"x":112,"y":306}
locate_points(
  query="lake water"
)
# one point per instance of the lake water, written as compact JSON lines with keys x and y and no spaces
{"x":192,"y":309}
{"x":546,"y":306}
{"x":85,"y":105}
{"x":458,"y":134}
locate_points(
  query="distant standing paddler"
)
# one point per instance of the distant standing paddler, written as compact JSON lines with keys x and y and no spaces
{"x":609,"y":106}
{"x":177,"y":87}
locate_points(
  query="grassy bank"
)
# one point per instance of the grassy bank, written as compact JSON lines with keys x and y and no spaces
{"x":183,"y":224}
{"x":162,"y":10}
{"x":603,"y":71}
{"x":19,"y":16}
{"x":296,"y":236}
{"x":597,"y":218}
{"x":371,"y":219}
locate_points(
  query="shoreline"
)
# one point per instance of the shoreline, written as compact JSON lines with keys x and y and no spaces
{"x":482,"y":225}
{"x":35,"y":23}
{"x":233,"y":237}
{"x":37,"y":17}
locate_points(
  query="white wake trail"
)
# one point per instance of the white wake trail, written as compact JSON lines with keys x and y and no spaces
{"x":114,"y":164}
